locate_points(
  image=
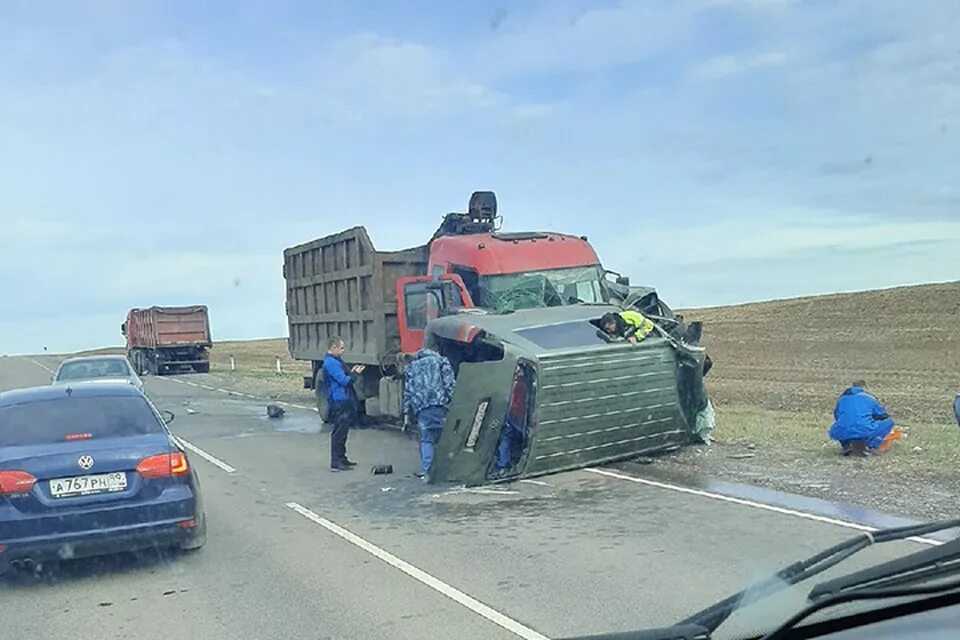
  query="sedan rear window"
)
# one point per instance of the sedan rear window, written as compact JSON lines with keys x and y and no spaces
{"x":68,"y":418}
{"x":87,"y":369}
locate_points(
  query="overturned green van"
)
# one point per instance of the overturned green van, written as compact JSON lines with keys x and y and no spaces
{"x":544,"y":390}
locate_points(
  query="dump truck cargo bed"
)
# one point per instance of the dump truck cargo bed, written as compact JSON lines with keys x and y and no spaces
{"x":168,"y":327}
{"x":340,"y":285}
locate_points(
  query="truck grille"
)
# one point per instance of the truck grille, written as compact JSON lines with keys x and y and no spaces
{"x":602,"y":406}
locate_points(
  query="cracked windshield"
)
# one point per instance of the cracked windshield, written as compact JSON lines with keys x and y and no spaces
{"x":623,"y":319}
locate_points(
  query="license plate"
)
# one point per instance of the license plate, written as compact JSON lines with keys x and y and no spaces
{"x":88,"y":485}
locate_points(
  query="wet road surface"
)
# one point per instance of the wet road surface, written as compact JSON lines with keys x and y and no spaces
{"x":295,"y":551}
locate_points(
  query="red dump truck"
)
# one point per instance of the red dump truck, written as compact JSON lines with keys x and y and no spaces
{"x":168,"y":339}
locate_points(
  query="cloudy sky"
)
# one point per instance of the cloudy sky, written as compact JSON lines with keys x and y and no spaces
{"x":722,"y":150}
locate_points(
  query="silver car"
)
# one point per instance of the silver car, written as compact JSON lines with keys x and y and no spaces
{"x":97,"y":369}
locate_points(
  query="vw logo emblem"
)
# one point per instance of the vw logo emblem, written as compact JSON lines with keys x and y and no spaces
{"x":85,"y":462}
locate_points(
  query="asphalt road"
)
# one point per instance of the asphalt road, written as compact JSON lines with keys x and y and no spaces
{"x":295,"y":551}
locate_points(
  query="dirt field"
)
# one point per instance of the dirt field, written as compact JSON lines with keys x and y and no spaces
{"x":779,"y":367}
{"x":797,"y":355}
{"x":256,"y":369}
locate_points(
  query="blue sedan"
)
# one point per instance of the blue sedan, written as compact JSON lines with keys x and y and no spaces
{"x":91,"y":469}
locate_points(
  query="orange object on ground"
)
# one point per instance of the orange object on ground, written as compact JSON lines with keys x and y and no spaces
{"x":895,"y":434}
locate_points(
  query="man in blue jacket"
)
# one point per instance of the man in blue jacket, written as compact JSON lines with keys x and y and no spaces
{"x":342,"y":401}
{"x":861,"y":421}
{"x":427,"y":391}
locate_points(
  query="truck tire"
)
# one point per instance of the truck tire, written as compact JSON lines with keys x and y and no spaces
{"x":134,"y":358}
{"x":320,"y":391}
{"x":203,"y":367}
{"x":146,"y":361}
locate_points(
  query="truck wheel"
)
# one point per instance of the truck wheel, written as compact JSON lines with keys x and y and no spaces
{"x":203,"y":367}
{"x":320,"y":391}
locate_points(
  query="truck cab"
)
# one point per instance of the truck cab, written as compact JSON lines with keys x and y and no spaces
{"x":500,"y":272}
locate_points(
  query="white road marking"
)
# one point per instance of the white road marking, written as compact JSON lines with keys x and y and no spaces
{"x":206,"y":456}
{"x":294,"y":405}
{"x":42,"y":366}
{"x":539,"y":483}
{"x":477,"y":490}
{"x":422,"y":576}
{"x":750,"y":503}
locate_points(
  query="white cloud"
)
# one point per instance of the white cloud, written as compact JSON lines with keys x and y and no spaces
{"x":736,"y":64}
{"x":752,"y":258}
{"x":775,"y":235}
{"x":755,"y":5}
{"x":558,"y":41}
{"x":533,"y":111}
{"x":372,"y":74}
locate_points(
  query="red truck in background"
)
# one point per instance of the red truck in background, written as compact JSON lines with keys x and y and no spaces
{"x":168,"y":339}
{"x":381,"y":301}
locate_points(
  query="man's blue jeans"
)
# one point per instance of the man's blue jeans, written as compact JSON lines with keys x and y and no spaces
{"x":430,"y":421}
{"x":510,"y":446}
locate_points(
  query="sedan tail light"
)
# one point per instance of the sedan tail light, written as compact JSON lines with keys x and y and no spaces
{"x":15,"y":482}
{"x":164,"y":465}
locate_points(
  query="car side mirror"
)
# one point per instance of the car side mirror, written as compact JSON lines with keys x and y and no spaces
{"x":168,"y":416}
{"x":623,"y":281}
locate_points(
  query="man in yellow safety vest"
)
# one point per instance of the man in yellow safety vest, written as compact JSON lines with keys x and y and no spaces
{"x":632,"y":325}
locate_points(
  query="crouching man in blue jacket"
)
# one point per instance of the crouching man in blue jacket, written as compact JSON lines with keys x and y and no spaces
{"x":861,"y":421}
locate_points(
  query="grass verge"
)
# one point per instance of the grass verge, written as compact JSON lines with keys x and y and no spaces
{"x":927,"y":448}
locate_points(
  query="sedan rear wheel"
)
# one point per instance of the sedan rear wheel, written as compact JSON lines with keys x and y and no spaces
{"x":198,"y":540}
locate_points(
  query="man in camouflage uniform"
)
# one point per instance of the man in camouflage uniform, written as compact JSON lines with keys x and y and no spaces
{"x":427,"y":391}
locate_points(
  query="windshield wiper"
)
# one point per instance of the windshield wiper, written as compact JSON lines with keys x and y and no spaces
{"x":917,"y":566}
{"x":944,"y":594}
{"x":713,"y":616}
{"x":920,"y":566}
